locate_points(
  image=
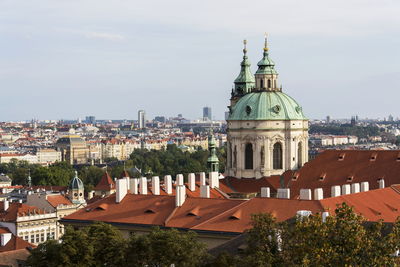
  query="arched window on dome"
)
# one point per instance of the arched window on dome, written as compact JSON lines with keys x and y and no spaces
{"x":269,"y":83}
{"x":300,"y":155}
{"x":277,"y":156}
{"x":261,"y":84}
{"x":248,"y":157}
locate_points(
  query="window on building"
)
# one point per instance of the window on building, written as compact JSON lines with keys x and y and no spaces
{"x":261,"y":83}
{"x":277,"y":156}
{"x":300,"y":155}
{"x":32,"y":238}
{"x":269,"y":83}
{"x":37,"y":238}
{"x":48,"y":236}
{"x":42,"y":237}
{"x":248,"y":157}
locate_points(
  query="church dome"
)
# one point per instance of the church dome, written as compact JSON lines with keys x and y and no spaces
{"x":266,"y":105}
{"x":76,"y":183}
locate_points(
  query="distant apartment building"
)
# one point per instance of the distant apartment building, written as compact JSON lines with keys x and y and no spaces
{"x":8,"y":157}
{"x":142,"y":119}
{"x":48,"y":156}
{"x":333,"y":140}
{"x":120,"y":149}
{"x":207,"y":115}
{"x":90,"y":119}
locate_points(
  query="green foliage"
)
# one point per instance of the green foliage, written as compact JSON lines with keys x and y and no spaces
{"x":101,"y":244}
{"x":97,"y":245}
{"x":173,"y":161}
{"x":345,"y":239}
{"x":165,"y":247}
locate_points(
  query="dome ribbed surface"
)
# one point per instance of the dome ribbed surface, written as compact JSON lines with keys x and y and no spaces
{"x":267,"y":106}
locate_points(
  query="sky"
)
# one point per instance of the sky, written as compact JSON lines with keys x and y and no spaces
{"x":67,"y":59}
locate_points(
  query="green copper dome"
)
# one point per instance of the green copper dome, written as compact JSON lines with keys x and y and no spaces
{"x":266,"y":105}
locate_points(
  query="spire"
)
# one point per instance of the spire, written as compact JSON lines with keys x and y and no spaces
{"x":266,"y":42}
{"x":266,"y":65}
{"x":245,"y":79}
{"x":29,"y":178}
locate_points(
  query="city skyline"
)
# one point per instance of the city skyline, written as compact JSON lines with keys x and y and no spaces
{"x":65,"y":59}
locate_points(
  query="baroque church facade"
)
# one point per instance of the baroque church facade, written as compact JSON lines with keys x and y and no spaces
{"x":267,"y":130}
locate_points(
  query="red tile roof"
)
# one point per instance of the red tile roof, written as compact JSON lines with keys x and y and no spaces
{"x":56,"y":200}
{"x":15,"y":242}
{"x":373,"y":205}
{"x":16,"y":210}
{"x":340,"y":167}
{"x":106,"y":183}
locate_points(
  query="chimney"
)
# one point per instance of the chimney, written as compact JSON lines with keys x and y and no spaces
{"x":205,"y":191}
{"x":381,"y":183}
{"x":155,"y":185}
{"x":346,"y":189}
{"x":202,"y":178}
{"x":283,"y":193}
{"x":318,"y":193}
{"x":6,"y":205}
{"x":325,"y":214}
{"x":335,"y":191}
{"x":128,"y":184}
{"x":133,"y":187}
{"x":180,"y":196}
{"x":355,"y":188}
{"x":305,"y":194}
{"x":265,"y":192}
{"x":143,"y":186}
{"x":303,"y":213}
{"x":192,"y":181}
{"x":364,"y":186}
{"x":121,"y":190}
{"x":213,"y":179}
{"x":5,"y":238}
{"x":179,"y":179}
{"x":168,"y":184}
{"x":90,"y":194}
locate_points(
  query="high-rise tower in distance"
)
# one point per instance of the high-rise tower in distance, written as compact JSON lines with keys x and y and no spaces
{"x":142,"y":119}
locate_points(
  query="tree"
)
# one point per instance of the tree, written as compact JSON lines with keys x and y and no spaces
{"x":263,"y":242}
{"x":344,"y":239}
{"x":108,"y":245}
{"x":165,"y":247}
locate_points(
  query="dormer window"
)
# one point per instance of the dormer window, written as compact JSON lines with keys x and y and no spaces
{"x":341,"y":156}
{"x":322,"y":176}
{"x":373,"y":156}
{"x":350,"y":178}
{"x":295,"y":176}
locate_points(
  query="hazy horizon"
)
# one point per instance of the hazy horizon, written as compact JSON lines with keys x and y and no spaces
{"x":71,"y":59}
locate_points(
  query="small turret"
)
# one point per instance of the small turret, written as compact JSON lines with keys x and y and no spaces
{"x":76,"y":190}
{"x":212,"y":161}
